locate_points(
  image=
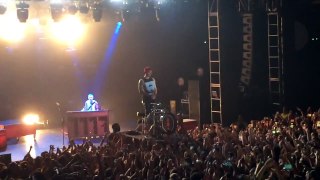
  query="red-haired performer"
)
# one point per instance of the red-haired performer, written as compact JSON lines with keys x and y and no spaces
{"x":148,"y":89}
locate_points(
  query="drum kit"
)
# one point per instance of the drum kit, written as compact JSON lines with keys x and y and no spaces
{"x":159,"y":121}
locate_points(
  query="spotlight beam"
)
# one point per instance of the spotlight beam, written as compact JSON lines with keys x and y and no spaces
{"x":107,"y":58}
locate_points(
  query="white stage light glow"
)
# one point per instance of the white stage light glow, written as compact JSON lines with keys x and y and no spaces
{"x":31,"y":119}
{"x":4,"y":2}
{"x":116,"y":0}
{"x":69,"y":30}
{"x":12,"y":30}
{"x":56,"y":1}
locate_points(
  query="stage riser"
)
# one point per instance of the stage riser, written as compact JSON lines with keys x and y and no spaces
{"x":87,"y":124}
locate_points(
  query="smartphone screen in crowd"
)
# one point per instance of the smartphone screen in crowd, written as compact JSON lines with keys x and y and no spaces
{"x":287,"y":167}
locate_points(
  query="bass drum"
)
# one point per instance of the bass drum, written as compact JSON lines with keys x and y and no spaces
{"x":168,"y":123}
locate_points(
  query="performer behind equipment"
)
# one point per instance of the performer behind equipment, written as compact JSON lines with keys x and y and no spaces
{"x":91,"y":104}
{"x":147,"y":89}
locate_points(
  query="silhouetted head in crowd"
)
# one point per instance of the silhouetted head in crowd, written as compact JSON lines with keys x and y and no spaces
{"x":115,"y":127}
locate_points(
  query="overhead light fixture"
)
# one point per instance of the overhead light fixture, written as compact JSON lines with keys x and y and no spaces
{"x":22,"y":11}
{"x":121,"y":8}
{"x":120,"y":4}
{"x":84,"y":7}
{"x":56,"y":11}
{"x":3,"y":9}
{"x":97,"y":11}
{"x":157,"y":5}
{"x":3,"y":6}
{"x":72,"y":9}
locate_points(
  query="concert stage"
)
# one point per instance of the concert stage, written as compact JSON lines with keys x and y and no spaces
{"x":43,"y":139}
{"x":54,"y":136}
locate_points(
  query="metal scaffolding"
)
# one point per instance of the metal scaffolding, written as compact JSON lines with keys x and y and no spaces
{"x":214,"y":61}
{"x":275,"y":52}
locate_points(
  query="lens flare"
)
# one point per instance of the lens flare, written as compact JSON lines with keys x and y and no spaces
{"x":31,"y":119}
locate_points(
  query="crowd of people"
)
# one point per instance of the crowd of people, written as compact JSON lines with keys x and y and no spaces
{"x":285,"y":146}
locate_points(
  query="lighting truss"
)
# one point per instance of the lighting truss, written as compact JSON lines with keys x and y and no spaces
{"x":124,"y":8}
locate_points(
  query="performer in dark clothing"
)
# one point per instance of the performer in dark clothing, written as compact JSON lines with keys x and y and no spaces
{"x":147,"y":89}
{"x":205,"y":115}
{"x":181,"y":94}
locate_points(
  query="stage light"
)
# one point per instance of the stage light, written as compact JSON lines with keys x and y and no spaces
{"x":56,"y":11}
{"x":22,"y":5}
{"x":84,"y":7}
{"x":69,"y":30}
{"x":12,"y":31}
{"x":22,"y":11}
{"x":157,"y":4}
{"x":120,"y":4}
{"x":116,"y":1}
{"x":72,"y":9}
{"x":3,"y":6}
{"x":3,"y":9}
{"x":31,"y":119}
{"x":97,"y":11}
{"x":23,"y":15}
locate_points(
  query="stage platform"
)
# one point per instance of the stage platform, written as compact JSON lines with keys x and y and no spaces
{"x":16,"y":129}
{"x":43,"y":139}
{"x":54,"y":136}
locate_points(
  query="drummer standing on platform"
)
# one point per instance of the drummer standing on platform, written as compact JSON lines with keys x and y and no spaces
{"x":90,"y":104}
{"x":147,"y":89}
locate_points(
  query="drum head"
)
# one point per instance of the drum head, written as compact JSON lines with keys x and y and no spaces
{"x":168,"y":123}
